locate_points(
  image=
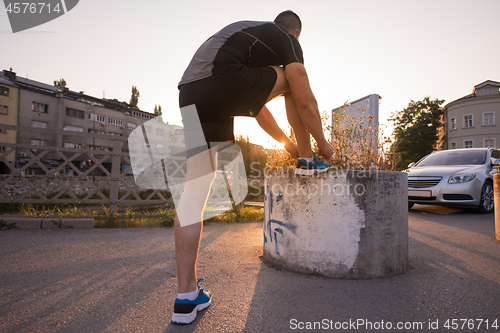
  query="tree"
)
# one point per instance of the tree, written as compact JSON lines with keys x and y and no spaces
{"x":157,"y":110}
{"x":416,"y":130}
{"x":134,"y":99}
{"x":254,"y":160}
{"x":61,"y":83}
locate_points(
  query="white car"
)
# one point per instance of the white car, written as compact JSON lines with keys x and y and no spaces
{"x":455,"y":177}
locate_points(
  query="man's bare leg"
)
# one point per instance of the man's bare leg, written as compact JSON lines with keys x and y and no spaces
{"x":199,"y":179}
{"x":281,"y":88}
{"x":301,"y":134}
{"x":188,"y":225}
{"x":187,"y":243}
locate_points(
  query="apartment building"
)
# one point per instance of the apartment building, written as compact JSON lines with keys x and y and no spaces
{"x":55,"y":114}
{"x":8,"y":116}
{"x":470,"y":121}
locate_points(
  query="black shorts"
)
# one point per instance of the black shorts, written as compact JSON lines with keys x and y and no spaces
{"x":233,"y":90}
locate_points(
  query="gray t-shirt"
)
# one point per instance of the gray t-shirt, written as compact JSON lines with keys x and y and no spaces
{"x":251,"y":43}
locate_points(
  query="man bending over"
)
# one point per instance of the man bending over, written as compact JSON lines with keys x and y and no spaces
{"x":235,"y":73}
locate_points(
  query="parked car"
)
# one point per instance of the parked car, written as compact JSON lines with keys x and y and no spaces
{"x":455,"y":177}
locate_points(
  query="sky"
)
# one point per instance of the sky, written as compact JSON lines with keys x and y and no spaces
{"x":401,"y":50}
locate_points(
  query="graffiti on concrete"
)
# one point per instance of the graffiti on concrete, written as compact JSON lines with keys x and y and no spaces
{"x":273,"y":228}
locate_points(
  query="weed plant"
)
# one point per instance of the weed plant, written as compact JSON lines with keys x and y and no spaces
{"x":355,"y":141}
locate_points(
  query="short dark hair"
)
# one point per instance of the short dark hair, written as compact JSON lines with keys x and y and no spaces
{"x":289,"y":20}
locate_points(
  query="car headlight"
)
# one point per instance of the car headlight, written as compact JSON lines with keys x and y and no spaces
{"x":457,"y":179}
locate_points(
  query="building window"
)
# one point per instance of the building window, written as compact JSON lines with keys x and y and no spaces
{"x":38,"y":124}
{"x":115,"y":134}
{"x":2,"y":149}
{"x":142,"y":115}
{"x":489,"y":143}
{"x":114,"y":121}
{"x":4,"y":91}
{"x":4,"y":109}
{"x":469,"y":144}
{"x":96,"y":131}
{"x":38,"y":142}
{"x":3,"y":131}
{"x":98,"y":118}
{"x":487,"y":91}
{"x":101,"y":148}
{"x":453,"y":145}
{"x":75,"y":113}
{"x":488,"y":118}
{"x":73,"y":128}
{"x":131,"y":126}
{"x":39,"y":107}
{"x":468,"y":121}
{"x":72,"y":145}
{"x":453,"y":124}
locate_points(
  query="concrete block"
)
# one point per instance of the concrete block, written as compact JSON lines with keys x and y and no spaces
{"x":79,"y":223}
{"x":24,"y":223}
{"x":48,"y":223}
{"x":340,"y":224}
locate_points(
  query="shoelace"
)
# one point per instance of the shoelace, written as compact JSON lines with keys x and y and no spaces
{"x":316,"y":158}
{"x":199,"y":280}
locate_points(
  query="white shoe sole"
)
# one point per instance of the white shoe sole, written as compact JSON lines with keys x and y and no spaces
{"x":188,"y":318}
{"x":309,"y":172}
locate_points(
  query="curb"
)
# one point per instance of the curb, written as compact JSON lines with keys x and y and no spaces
{"x":254,"y":204}
{"x":49,"y":223}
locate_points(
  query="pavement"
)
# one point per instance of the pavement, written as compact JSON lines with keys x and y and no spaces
{"x":124,"y":280}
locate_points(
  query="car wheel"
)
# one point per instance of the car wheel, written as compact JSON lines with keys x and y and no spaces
{"x":410,"y":205}
{"x":487,"y":204}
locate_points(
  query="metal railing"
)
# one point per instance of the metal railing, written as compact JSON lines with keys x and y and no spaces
{"x":113,"y":184}
{"x":83,"y":175}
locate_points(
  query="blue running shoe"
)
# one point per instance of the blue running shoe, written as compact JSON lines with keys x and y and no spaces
{"x":305,"y":168}
{"x":185,"y":310}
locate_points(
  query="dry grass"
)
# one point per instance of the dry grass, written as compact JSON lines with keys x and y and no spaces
{"x":247,"y":214}
{"x":133,"y":217}
{"x":355,"y":145}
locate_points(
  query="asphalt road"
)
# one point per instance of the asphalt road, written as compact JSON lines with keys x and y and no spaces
{"x":123,"y":280}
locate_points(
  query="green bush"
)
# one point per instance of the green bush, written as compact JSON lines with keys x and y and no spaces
{"x":168,"y":219}
{"x":9,"y":207}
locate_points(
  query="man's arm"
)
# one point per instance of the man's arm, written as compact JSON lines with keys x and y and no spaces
{"x":307,"y":105}
{"x":268,"y":124}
